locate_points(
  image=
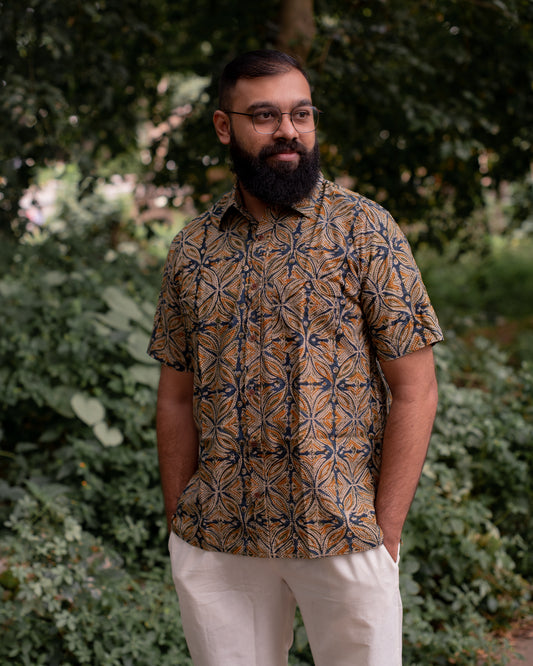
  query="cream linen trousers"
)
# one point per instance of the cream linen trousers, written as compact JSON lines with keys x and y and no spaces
{"x":239,"y":611}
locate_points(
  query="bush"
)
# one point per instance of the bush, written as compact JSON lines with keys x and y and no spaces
{"x":69,"y":600}
{"x":465,"y":558}
{"x":84,"y":568}
{"x":484,"y":287}
{"x":77,"y":388}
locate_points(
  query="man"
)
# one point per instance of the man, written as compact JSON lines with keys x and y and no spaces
{"x":297,"y":395}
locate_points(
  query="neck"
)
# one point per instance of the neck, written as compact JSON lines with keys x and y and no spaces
{"x":253,"y":205}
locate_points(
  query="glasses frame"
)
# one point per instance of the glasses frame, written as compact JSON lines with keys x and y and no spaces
{"x":316,"y":114}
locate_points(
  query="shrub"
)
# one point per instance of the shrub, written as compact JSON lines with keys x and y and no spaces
{"x":69,"y":600}
{"x":84,"y":567}
{"x":465,"y":556}
{"x":77,"y":389}
{"x":474,"y":289}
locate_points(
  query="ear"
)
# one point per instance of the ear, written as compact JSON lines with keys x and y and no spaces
{"x":221,"y":122}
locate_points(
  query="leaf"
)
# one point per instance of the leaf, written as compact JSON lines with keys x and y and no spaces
{"x":409,"y":586}
{"x":145,"y":374}
{"x":122,"y":304}
{"x":89,"y":410}
{"x":108,"y":436}
{"x":46,"y":491}
{"x":8,"y":288}
{"x":149,"y":309}
{"x":410,"y":566}
{"x":8,"y":492}
{"x":59,"y":398}
{"x":101,"y":329}
{"x":137,"y":346}
{"x":8,"y":580}
{"x":115,"y":319}
{"x":54,"y":278}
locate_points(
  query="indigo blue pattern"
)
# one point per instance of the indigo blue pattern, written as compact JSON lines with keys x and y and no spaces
{"x":283,"y":323}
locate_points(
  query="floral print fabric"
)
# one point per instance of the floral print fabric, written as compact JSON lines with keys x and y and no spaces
{"x":283,"y":323}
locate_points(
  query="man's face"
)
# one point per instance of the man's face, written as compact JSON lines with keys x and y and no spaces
{"x":279,"y":168}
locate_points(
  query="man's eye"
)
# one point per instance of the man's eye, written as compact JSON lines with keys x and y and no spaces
{"x":301,"y":114}
{"x":264,"y":116}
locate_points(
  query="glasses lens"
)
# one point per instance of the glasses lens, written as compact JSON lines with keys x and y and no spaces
{"x":266,"y":121}
{"x":305,"y":118}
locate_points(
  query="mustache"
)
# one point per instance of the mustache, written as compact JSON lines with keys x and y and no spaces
{"x":293,"y":146}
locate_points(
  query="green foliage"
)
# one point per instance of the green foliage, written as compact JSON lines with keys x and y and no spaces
{"x":426,"y":105}
{"x":494,"y":282}
{"x":76,"y":386}
{"x":423,"y":102}
{"x":76,"y":79}
{"x":68,"y":598}
{"x":466,"y":536}
{"x":488,"y":291}
{"x":83,"y":566}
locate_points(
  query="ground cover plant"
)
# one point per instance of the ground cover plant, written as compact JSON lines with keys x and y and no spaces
{"x":84,"y":577}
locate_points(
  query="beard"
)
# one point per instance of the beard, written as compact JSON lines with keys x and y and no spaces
{"x":281,"y":184}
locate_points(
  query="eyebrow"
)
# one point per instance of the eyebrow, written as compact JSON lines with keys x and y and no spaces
{"x":260,"y":105}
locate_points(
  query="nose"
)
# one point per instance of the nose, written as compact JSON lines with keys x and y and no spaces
{"x":286,"y":129}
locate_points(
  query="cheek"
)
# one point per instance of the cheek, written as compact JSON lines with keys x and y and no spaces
{"x":251,"y":143}
{"x":254,"y":147}
{"x":308,"y":140}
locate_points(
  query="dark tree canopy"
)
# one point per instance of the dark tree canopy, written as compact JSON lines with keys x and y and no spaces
{"x":75,"y":79}
{"x":429,"y":89}
{"x":425,"y":104}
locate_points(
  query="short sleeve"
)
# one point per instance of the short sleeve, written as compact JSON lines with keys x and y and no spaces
{"x":170,"y":342}
{"x":396,"y":306}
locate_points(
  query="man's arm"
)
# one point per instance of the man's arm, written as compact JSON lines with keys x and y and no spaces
{"x":177,"y":438}
{"x":413,"y":386}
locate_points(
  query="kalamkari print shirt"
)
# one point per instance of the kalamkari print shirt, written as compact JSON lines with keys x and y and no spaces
{"x":283,"y":323}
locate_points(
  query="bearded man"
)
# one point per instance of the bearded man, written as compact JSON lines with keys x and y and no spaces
{"x":296,"y":398}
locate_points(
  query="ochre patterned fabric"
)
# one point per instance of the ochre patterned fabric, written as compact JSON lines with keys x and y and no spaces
{"x":283,"y":323}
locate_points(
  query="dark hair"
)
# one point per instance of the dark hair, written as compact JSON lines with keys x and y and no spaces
{"x":252,"y":65}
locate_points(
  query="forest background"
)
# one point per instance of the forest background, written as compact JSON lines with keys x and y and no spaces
{"x":106,"y":150}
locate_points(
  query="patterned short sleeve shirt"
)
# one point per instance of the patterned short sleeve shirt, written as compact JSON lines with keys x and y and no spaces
{"x":283,"y":323}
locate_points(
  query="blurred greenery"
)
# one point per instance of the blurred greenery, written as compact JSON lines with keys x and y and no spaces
{"x":106,"y":110}
{"x":487,"y":292}
{"x":426,"y":105}
{"x":83,"y":567}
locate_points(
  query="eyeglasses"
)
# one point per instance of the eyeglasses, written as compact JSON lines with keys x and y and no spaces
{"x":267,"y":120}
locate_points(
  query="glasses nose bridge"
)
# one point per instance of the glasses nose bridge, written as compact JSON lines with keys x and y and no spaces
{"x":280,"y":121}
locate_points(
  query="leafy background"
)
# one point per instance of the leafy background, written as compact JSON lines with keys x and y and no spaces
{"x":106,"y":152}
{"x":84,"y":570}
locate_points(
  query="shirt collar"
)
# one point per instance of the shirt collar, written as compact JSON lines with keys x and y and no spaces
{"x":232,"y":201}
{"x":308,"y":206}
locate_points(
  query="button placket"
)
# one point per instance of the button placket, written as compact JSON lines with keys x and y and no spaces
{"x":254,"y":280}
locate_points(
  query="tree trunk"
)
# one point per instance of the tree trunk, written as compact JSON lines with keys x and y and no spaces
{"x":296,"y":28}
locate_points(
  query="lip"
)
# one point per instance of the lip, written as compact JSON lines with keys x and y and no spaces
{"x":286,"y":157}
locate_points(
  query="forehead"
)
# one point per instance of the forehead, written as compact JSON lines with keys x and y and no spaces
{"x":283,"y":90}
